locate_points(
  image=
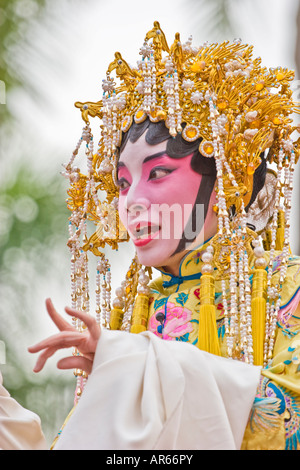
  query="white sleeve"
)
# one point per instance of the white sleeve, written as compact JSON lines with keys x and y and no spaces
{"x":145,"y":393}
{"x":20,"y":429}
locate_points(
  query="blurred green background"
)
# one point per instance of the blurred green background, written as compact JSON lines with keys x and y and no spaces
{"x":54,"y":53}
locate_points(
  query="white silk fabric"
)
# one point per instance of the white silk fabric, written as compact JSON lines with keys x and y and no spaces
{"x":145,"y":393}
{"x":20,"y":429}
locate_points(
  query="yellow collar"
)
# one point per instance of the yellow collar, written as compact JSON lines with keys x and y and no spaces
{"x":189,"y":268}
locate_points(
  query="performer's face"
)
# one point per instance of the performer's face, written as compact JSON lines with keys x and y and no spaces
{"x":157,"y":196}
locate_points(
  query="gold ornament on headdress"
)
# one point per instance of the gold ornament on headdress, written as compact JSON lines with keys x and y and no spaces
{"x":221,"y":94}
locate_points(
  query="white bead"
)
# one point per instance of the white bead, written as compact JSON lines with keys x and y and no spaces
{"x":118,"y":303}
{"x":143,"y":290}
{"x":119,"y":292}
{"x":256,"y":242}
{"x":259,"y":251}
{"x":206,"y":269}
{"x":144,"y":279}
{"x":206,"y":257}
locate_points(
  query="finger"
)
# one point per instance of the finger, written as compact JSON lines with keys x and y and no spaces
{"x":88,"y":320}
{"x":56,"y":318}
{"x":65,"y":339}
{"x":42,"y":359}
{"x":75,"y":362}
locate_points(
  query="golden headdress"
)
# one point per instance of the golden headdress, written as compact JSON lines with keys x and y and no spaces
{"x":239,"y":109}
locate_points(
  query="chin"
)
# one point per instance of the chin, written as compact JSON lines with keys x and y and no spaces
{"x":154,"y":257}
{"x":148,"y":259}
{"x":161,"y":256}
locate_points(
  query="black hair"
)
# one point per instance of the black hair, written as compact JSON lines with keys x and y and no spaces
{"x":177,"y":147}
{"x":259,"y":179}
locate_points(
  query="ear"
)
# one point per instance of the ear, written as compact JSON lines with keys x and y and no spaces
{"x":261,"y":210}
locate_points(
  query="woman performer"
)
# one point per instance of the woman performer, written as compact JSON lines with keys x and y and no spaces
{"x":186,"y":145}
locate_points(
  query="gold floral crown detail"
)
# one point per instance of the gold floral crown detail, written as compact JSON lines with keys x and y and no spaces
{"x":217,"y":91}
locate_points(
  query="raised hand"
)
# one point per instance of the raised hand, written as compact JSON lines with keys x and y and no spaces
{"x":85,"y":342}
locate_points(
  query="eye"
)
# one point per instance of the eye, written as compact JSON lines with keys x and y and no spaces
{"x":123,"y":184}
{"x":159,"y":172}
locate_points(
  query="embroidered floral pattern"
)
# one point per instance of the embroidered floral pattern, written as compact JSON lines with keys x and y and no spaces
{"x":196,"y":258}
{"x":272,"y":404}
{"x":172,"y":322}
{"x":289,"y":321}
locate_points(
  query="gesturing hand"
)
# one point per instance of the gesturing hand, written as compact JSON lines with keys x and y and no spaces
{"x":85,"y":342}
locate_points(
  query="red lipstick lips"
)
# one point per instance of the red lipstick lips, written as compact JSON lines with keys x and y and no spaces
{"x":144,"y":233}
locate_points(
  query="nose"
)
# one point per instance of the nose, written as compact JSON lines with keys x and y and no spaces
{"x":136,"y":201}
{"x":135,"y":207}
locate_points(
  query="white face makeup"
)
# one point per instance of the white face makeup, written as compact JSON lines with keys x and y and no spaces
{"x":157,"y":195}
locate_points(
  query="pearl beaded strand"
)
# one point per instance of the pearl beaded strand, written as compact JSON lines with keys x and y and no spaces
{"x":99,"y":318}
{"x":153,"y":81}
{"x":223,"y":223}
{"x":273,"y":292}
{"x":287,"y":193}
{"x":238,"y":318}
{"x":244,"y":291}
{"x":248,"y":307}
{"x":107,"y":133}
{"x":171,"y":82}
{"x":146,"y":72}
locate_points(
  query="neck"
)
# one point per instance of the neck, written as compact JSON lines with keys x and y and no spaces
{"x":173,"y":265}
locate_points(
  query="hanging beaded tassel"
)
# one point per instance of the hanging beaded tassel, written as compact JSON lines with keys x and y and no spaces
{"x":146,"y":66}
{"x":78,"y":229}
{"x":248,"y":319}
{"x":152,"y":68}
{"x":259,"y":303}
{"x":103,"y":291}
{"x":128,"y":294}
{"x":283,"y":189}
{"x":245,"y":330}
{"x":208,"y":335}
{"x":131,"y":304}
{"x":80,"y":296}
{"x":109,"y":126}
{"x":238,"y":324}
{"x":98,"y":297}
{"x":273,"y":294}
{"x":140,"y":311}
{"x":117,"y":312}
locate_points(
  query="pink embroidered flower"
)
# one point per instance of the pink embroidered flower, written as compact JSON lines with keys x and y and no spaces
{"x":176,"y":324}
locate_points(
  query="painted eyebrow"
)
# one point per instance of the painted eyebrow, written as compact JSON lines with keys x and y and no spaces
{"x":155,"y":155}
{"x":147,"y":159}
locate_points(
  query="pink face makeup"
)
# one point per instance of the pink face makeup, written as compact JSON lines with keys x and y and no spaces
{"x":157,"y":195}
